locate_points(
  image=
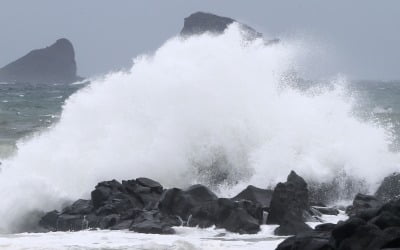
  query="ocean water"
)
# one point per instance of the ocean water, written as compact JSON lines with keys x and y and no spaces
{"x":185,"y":239}
{"x":217,"y":110}
{"x":26,"y":109}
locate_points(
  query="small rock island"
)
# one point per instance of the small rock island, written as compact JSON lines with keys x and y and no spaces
{"x":53,"y":64}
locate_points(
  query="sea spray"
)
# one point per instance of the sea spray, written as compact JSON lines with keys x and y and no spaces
{"x":210,"y":109}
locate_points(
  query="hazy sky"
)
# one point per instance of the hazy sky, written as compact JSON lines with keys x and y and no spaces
{"x":361,"y":38}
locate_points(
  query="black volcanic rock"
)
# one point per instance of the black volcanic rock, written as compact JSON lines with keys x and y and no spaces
{"x":390,"y":187}
{"x":256,"y":195}
{"x":363,"y":204}
{"x":378,"y":230}
{"x":289,"y":206}
{"x":53,"y":64}
{"x":290,"y":199}
{"x":142,"y":205}
{"x":201,"y":22}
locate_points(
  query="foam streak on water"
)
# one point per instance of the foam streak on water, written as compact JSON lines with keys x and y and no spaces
{"x":202,"y":109}
{"x":185,"y":239}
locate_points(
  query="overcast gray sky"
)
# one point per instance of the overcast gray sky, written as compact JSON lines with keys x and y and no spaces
{"x":362,"y":37}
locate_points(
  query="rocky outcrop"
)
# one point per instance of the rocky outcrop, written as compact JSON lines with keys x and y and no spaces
{"x":373,"y":227}
{"x":198,"y":206}
{"x":53,"y":64}
{"x":256,"y":195}
{"x":201,"y":22}
{"x":289,"y":206}
{"x":390,"y":188}
{"x":363,"y":204}
{"x":144,"y":206}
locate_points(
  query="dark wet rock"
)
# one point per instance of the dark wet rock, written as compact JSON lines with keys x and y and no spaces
{"x":361,"y":238}
{"x":386,"y":219}
{"x":292,"y":227}
{"x":317,"y":204}
{"x":326,"y":227}
{"x":313,"y":240}
{"x":326,"y":210}
{"x":390,"y":240}
{"x":354,"y":235}
{"x":369,"y":229}
{"x":239,"y":217}
{"x":256,"y":195}
{"x":314,"y":212}
{"x":53,"y":64}
{"x":103,"y":191}
{"x":153,"y":185}
{"x":49,"y":220}
{"x":153,"y":222}
{"x":69,"y":222}
{"x":389,"y":188}
{"x":109,"y":221}
{"x":111,"y":203}
{"x":240,"y":221}
{"x":201,"y":193}
{"x":79,"y":207}
{"x":346,"y":229}
{"x":142,"y":205}
{"x":289,"y":202}
{"x":181,"y":202}
{"x":198,"y":206}
{"x":151,"y":227}
{"x":254,"y":209}
{"x":125,"y":224}
{"x":363,"y":204}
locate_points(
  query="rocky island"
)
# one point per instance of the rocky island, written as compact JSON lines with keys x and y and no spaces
{"x":53,"y":64}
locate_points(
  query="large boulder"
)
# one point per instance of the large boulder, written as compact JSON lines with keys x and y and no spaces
{"x":182,"y":202}
{"x":290,"y":204}
{"x":240,"y":221}
{"x":363,"y":205}
{"x":326,"y":210}
{"x":53,"y":64}
{"x":112,"y":205}
{"x":311,"y":240}
{"x":389,"y":188}
{"x":292,"y":227}
{"x":151,"y":227}
{"x":381,"y":231}
{"x":256,"y":195}
{"x":154,"y":223}
{"x":198,"y":206}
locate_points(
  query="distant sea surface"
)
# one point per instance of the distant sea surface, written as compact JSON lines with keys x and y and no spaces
{"x":29,"y":108}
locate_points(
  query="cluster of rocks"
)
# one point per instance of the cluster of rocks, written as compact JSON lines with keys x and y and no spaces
{"x":144,"y":206}
{"x":374,"y":223}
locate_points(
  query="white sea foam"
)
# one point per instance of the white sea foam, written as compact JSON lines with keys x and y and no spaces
{"x":185,"y":239}
{"x":206,"y":109}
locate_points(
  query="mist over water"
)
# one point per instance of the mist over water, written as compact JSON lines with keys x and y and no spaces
{"x":209,"y":109}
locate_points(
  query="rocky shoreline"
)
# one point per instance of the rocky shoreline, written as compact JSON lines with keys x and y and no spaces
{"x":145,"y":206}
{"x":374,"y":223}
